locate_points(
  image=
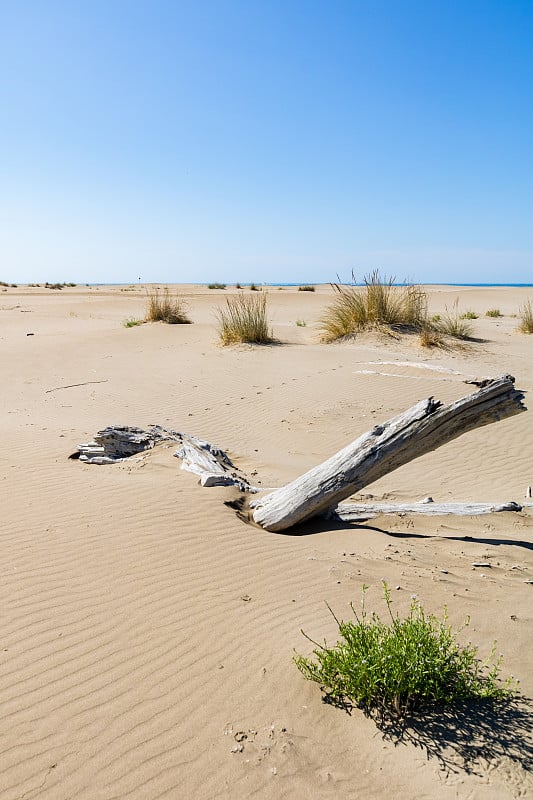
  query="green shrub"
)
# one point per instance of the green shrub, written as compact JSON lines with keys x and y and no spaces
{"x":255,"y":288}
{"x":166,"y":308}
{"x":493,"y":312}
{"x":131,"y":322}
{"x":469,"y":315}
{"x":301,"y":323}
{"x":216,"y":285}
{"x":402,"y":666}
{"x":306,"y":288}
{"x":526,"y":317}
{"x":244,"y":319}
{"x":377,"y":304}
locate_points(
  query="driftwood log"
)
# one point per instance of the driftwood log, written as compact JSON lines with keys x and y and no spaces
{"x":352,"y":512}
{"x":118,"y":442}
{"x":419,"y":430}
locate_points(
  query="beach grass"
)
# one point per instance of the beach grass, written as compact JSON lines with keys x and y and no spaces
{"x":379,"y":303}
{"x":244,"y":319}
{"x":165,"y":307}
{"x":454,"y":324}
{"x":493,"y":312}
{"x":430,"y":337}
{"x":216,"y":285}
{"x":469,"y":315}
{"x":307,"y":288}
{"x":402,"y":666}
{"x":526,"y":317}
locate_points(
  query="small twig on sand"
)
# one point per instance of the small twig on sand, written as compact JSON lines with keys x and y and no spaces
{"x":72,"y":385}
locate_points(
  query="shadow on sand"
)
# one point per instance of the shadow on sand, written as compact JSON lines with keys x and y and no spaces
{"x":465,"y":736}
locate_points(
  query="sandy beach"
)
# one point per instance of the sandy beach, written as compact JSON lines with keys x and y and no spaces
{"x":147,"y":632}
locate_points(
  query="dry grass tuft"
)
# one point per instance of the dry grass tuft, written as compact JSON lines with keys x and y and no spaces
{"x":306,"y":288}
{"x":454,"y":324}
{"x":244,"y":319}
{"x":166,"y":307}
{"x":526,"y":317}
{"x":377,"y":304}
{"x":430,"y":337}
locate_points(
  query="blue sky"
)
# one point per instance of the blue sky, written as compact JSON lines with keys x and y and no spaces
{"x":266,"y":141}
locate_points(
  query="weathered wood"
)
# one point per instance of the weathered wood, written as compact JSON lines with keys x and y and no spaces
{"x":419,"y":430}
{"x":118,"y":442}
{"x":352,"y":512}
{"x":212,"y":464}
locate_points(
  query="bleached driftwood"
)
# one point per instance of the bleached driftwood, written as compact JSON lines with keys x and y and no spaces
{"x":351,"y":512}
{"x":210,"y":463}
{"x":419,"y":430}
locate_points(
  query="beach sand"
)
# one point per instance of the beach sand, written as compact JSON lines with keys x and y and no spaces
{"x":147,"y":634}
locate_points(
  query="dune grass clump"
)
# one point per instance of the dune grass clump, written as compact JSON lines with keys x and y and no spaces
{"x":254,"y":288}
{"x":493,"y":312}
{"x":526,"y":317}
{"x":405,"y":665}
{"x":59,"y":285}
{"x":378,"y":304}
{"x":430,"y":337}
{"x":454,"y":324}
{"x":301,"y":323}
{"x":244,"y":319}
{"x":469,"y":315}
{"x":306,"y":288}
{"x":166,"y":307}
{"x":216,"y":285}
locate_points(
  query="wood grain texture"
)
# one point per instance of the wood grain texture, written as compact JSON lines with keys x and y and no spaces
{"x":422,"y":428}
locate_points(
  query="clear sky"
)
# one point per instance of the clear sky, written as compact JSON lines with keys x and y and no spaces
{"x":266,"y":140}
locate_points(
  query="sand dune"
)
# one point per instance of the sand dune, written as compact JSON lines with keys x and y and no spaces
{"x":147,"y":633}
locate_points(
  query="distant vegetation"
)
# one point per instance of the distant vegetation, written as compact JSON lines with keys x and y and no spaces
{"x":469,"y":315}
{"x":58,"y":285}
{"x":9,"y":285}
{"x":493,"y":312}
{"x":255,"y":288}
{"x":166,"y":307}
{"x":526,"y":317}
{"x":405,"y":665}
{"x":244,"y":319}
{"x":216,"y":286}
{"x":306,"y":288}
